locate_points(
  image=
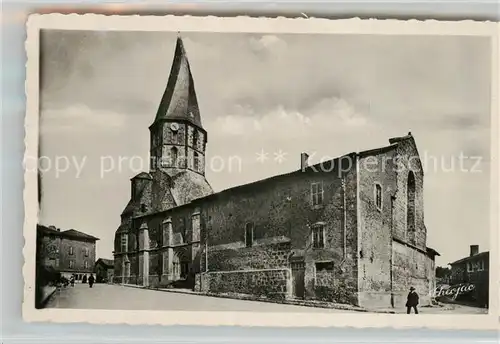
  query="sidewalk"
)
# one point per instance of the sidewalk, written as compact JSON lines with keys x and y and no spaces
{"x":422,"y":309}
{"x":47,"y":292}
{"x":296,"y":302}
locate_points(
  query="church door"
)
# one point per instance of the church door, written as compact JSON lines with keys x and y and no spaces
{"x":184,"y":270}
{"x":298,"y":285}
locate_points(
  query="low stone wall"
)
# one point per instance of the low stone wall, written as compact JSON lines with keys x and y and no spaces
{"x":125,"y":280}
{"x":269,"y":283}
{"x":259,"y":257}
{"x":337,"y":291}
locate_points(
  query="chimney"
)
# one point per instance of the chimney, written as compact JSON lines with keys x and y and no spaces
{"x":303,"y":160}
{"x":474,"y":249}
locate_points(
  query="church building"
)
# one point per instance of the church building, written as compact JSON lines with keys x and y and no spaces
{"x":349,"y":230}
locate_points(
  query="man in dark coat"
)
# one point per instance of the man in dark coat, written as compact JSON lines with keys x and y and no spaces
{"x":412,"y":301}
{"x":91,"y":280}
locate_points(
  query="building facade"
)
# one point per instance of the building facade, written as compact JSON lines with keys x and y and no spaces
{"x":104,"y":270}
{"x":348,"y":230}
{"x":68,"y":252}
{"x":474,"y":269}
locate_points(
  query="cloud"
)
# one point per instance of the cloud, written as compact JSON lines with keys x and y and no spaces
{"x":340,"y":111}
{"x":323,"y":94}
{"x":80,"y":117}
{"x":326,"y":116}
{"x":267,"y":43}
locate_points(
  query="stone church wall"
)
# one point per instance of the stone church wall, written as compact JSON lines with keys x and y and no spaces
{"x":389,"y":267}
{"x":260,"y":256}
{"x":261,"y":270}
{"x":407,"y":160}
{"x":374,"y":250}
{"x":410,"y":268}
{"x":260,"y":283}
{"x":282,"y":215}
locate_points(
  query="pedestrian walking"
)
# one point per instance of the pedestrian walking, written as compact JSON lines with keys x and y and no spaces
{"x":91,"y":280}
{"x":84,"y":279}
{"x":72,"y":280}
{"x":412,"y":301}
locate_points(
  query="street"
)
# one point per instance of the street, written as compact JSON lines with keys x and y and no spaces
{"x":106,"y":296}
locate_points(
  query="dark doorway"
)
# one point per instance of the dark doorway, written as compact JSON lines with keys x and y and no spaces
{"x":184,"y":270}
{"x":298,"y":284}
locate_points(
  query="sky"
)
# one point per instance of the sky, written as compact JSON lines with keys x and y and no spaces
{"x":326,"y":95}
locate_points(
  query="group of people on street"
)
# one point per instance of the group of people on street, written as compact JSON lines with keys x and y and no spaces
{"x":91,"y":280}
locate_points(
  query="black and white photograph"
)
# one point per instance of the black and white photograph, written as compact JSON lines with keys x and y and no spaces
{"x":317,"y":174}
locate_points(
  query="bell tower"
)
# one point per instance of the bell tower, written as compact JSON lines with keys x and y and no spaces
{"x":178,"y":140}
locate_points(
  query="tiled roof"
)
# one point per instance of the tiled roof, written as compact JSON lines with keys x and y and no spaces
{"x":326,"y":165}
{"x":70,"y":233}
{"x":393,"y":143}
{"x":465,"y":259}
{"x":129,"y":208}
{"x":134,"y":204}
{"x":188,"y":185}
{"x":183,"y":187}
{"x":77,"y":234}
{"x":179,"y":100}
{"x":143,"y":175}
{"x":47,"y":230}
{"x":107,"y":262}
{"x":432,"y":251}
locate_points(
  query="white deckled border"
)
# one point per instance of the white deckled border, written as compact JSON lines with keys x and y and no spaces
{"x":257,"y":25}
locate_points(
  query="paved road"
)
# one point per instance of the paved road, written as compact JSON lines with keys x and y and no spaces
{"x":105,"y":296}
{"x":457,"y":309}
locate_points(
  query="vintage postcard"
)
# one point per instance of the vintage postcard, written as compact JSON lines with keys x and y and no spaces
{"x":261,"y":172}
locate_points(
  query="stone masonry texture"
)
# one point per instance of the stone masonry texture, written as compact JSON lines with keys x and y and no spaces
{"x":268,"y":283}
{"x":348,"y":230}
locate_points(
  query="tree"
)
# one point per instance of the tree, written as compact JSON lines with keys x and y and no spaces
{"x":443,"y":272}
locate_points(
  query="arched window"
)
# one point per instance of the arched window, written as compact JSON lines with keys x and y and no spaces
{"x":173,"y":156}
{"x":249,"y":234}
{"x":124,"y":242}
{"x":182,"y":230}
{"x":180,"y":265}
{"x":196,"y":161}
{"x":410,"y":203}
{"x":378,"y":196}
{"x":195,"y":138}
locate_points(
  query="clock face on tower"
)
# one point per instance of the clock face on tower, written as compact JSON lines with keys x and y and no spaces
{"x":174,"y":126}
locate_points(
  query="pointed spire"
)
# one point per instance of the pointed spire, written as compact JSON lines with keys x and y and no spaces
{"x":179,"y":100}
